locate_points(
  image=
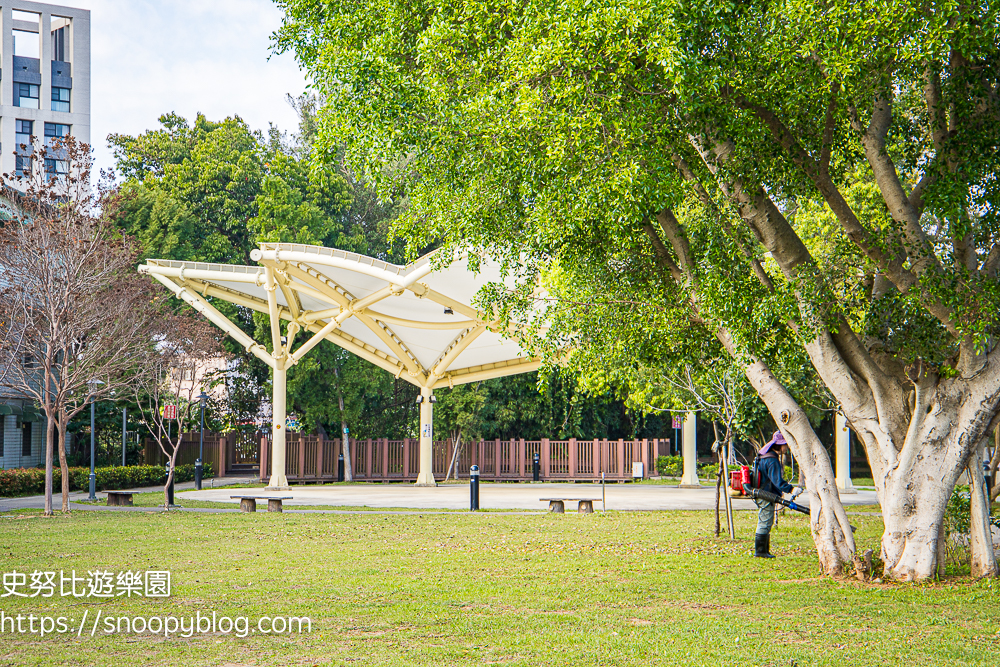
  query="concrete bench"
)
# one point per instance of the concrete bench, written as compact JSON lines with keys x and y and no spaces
{"x":119,"y":499}
{"x":558,"y":505}
{"x":249,"y":503}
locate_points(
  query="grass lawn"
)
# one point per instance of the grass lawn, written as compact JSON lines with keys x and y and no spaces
{"x":630,"y":588}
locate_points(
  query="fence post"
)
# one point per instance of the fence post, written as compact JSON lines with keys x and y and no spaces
{"x":522,"y":455}
{"x":546,"y":454}
{"x":369,"y":473}
{"x":320,"y":446}
{"x":621,"y":460}
{"x":384,"y":442}
{"x":302,"y":455}
{"x":265,"y":460}
{"x":406,"y":458}
{"x":572,"y":458}
{"x":223,"y":456}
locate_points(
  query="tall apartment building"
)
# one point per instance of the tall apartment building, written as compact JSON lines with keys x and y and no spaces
{"x":44,"y":92}
{"x":44,"y":78}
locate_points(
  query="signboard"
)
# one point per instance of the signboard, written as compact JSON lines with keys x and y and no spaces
{"x":678,"y":422}
{"x":170,"y":412}
{"x":292,"y":422}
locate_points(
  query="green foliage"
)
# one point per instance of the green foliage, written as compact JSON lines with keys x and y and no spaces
{"x":548,"y":133}
{"x":957,"y":514}
{"x":709,"y":471}
{"x":670,"y":466}
{"x":16,"y":482}
{"x":210,"y":191}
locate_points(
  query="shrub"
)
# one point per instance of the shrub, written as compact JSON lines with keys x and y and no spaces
{"x":709,"y":471}
{"x":669,"y":466}
{"x":31,"y":481}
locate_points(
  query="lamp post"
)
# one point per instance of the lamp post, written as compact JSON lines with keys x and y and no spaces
{"x":93,"y":478}
{"x":124,"y":432}
{"x":198,"y":466}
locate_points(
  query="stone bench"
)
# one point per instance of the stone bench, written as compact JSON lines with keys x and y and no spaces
{"x":558,"y":505}
{"x":120,"y":499}
{"x":249,"y":503}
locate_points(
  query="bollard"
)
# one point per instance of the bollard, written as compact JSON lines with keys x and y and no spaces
{"x":536,"y":467}
{"x":340,"y":468}
{"x":987,"y":481}
{"x":474,"y":488}
{"x":170,"y":488}
{"x":198,"y":472}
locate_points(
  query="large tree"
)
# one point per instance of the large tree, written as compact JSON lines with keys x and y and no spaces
{"x":855,"y":143}
{"x":81,"y":317}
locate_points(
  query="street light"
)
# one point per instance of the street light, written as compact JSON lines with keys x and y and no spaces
{"x":93,"y":478}
{"x":201,"y":446}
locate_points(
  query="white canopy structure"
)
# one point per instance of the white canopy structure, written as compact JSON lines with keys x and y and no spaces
{"x":414,"y":321}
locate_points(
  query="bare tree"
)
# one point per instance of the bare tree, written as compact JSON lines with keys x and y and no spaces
{"x":183,"y":363}
{"x":79,"y":313}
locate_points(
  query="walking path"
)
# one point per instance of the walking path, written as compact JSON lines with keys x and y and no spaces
{"x":509,"y":497}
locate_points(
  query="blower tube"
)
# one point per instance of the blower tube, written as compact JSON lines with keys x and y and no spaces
{"x":758,"y":494}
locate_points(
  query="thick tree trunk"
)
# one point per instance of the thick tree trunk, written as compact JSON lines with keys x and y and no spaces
{"x":983,"y":562}
{"x":828,"y":521}
{"x":831,"y":530}
{"x":914,"y":481}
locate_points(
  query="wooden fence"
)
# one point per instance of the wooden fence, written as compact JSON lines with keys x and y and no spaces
{"x":310,"y":458}
{"x":217,"y":451}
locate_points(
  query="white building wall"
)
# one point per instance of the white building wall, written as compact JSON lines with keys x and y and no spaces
{"x":12,"y":456}
{"x":79,"y":47}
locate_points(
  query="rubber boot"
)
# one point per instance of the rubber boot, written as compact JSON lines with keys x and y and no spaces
{"x":762,"y":546}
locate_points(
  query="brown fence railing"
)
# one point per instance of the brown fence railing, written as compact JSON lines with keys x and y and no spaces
{"x":217,"y":451}
{"x":311,"y":458}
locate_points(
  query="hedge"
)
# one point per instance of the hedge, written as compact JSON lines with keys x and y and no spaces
{"x":31,"y":481}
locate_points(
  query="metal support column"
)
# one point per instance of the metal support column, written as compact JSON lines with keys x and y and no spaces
{"x":426,"y":474}
{"x":842,"y":438}
{"x":689,"y":480}
{"x":278,"y":481}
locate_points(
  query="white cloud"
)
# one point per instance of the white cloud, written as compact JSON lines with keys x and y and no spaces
{"x":150,"y":57}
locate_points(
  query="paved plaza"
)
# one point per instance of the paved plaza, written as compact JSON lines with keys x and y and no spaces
{"x":623,"y":497}
{"x":503,"y":496}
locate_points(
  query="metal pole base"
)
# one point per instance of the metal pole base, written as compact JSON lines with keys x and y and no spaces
{"x":93,"y":487}
{"x":198,"y":471}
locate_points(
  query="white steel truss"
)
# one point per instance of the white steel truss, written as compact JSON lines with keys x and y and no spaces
{"x":415,"y":321}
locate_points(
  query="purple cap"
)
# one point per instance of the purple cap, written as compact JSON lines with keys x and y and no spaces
{"x":776,"y":441}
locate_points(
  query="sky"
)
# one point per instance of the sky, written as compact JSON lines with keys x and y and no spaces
{"x":210,"y":56}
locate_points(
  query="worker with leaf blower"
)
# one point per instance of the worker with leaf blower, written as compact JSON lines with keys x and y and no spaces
{"x":767,"y":485}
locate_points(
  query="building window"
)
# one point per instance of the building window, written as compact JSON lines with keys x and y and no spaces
{"x":27,"y":95}
{"x":23,"y":131}
{"x":60,"y":99}
{"x":56,"y":168}
{"x":26,"y":440}
{"x":55,"y":131}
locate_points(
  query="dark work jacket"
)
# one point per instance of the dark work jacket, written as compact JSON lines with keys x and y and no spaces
{"x":772,"y":475}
